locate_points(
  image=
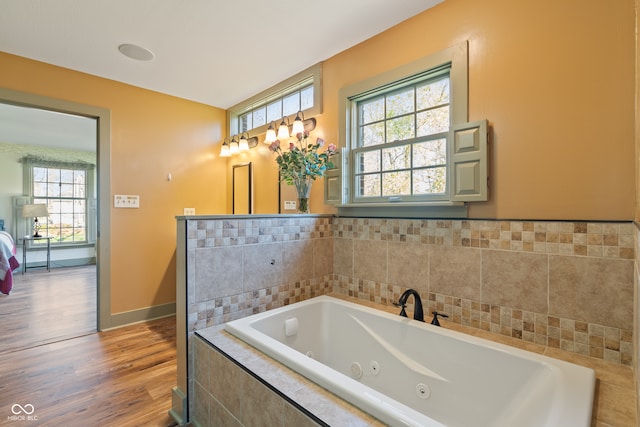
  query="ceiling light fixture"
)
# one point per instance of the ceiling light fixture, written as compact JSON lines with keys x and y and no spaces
{"x":136,"y":52}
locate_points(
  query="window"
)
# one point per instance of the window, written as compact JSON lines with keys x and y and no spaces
{"x":406,"y":140}
{"x":401,"y":148}
{"x":68,"y":191}
{"x":287,"y":105}
{"x":64,"y":192}
{"x":302,"y":92}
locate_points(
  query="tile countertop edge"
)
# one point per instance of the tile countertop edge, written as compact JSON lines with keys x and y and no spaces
{"x":299,"y":390}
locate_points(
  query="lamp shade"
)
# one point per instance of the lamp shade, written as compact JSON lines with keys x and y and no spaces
{"x":233,"y":147}
{"x":243,"y":144}
{"x":298,"y":126}
{"x":271,"y":134}
{"x":283,"y":130}
{"x":35,"y":210}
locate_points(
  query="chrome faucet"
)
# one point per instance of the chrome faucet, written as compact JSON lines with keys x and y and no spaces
{"x":402,"y":302}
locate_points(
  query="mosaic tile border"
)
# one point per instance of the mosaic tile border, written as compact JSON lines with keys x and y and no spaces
{"x":221,"y":310}
{"x":207,"y":233}
{"x":607,"y":240}
{"x":588,"y":339}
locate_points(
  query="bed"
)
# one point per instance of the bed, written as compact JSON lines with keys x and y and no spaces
{"x":8,"y":262}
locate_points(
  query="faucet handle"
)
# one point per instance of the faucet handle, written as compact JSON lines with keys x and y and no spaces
{"x":403,"y":313}
{"x":435,"y":317}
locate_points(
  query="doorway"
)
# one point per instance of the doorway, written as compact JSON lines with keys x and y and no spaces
{"x":103,"y":138}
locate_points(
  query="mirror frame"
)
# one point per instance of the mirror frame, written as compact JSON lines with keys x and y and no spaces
{"x":237,"y":168}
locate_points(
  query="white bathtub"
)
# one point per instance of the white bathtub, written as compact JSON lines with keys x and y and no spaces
{"x":408,"y":373}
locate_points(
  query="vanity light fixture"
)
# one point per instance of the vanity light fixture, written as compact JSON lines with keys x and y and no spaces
{"x":271,"y":134}
{"x":224,"y":150}
{"x":243,"y":144}
{"x":237,"y":144}
{"x":233,"y":146}
{"x":283,"y":130}
{"x":298,"y":126}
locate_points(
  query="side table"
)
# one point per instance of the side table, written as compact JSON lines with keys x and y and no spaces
{"x":26,"y":239}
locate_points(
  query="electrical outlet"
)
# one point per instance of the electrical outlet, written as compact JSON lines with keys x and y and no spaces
{"x":189,"y":211}
{"x":126,"y":201}
{"x":290,"y":205}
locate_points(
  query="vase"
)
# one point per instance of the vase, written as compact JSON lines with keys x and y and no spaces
{"x":303,"y":189}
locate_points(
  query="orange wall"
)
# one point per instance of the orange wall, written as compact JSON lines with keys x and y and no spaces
{"x":637,"y":128}
{"x":554,"y":78}
{"x":152,"y":135}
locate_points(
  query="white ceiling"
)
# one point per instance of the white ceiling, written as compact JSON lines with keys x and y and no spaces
{"x":32,"y":126}
{"x":215,"y":52}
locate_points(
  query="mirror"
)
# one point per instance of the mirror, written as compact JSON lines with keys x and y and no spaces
{"x":242,"y":189}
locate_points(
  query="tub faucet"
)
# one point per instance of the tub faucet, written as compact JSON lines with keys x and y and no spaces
{"x":435,"y":320}
{"x":402,"y":302}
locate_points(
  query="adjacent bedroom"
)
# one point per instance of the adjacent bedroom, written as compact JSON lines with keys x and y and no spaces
{"x":48,"y":226}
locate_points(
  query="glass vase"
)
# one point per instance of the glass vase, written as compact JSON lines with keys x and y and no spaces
{"x":303,"y":189}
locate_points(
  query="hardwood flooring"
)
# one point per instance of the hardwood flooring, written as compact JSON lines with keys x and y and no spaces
{"x":46,"y":307}
{"x":121,"y":377}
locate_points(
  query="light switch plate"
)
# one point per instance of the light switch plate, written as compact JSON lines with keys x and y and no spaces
{"x":126,"y":201}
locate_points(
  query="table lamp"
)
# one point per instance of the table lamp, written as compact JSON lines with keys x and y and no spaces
{"x":34,"y":211}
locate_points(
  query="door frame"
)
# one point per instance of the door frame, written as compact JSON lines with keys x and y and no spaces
{"x":103,"y":152}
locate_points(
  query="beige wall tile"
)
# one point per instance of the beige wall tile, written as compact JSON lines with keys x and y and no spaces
{"x":220,"y":417}
{"x":409,"y":265}
{"x":596,"y":290}
{"x":260,"y":405}
{"x":455,"y":271}
{"x":297,"y":260}
{"x":225,"y":379}
{"x":218,"y":272}
{"x":343,"y":258}
{"x":322,"y":257}
{"x":201,"y":363}
{"x":201,"y":403}
{"x":515,"y":279}
{"x":262,"y":266}
{"x":370,"y":260}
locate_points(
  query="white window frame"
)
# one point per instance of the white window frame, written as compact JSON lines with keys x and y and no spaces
{"x":88,"y":198}
{"x":310,"y":76}
{"x":457,"y":58}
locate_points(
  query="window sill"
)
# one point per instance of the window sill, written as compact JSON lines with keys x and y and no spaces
{"x":404,"y":210}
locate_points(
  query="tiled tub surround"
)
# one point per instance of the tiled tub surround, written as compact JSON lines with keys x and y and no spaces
{"x":237,"y":385}
{"x":563,"y":285}
{"x":237,"y":267}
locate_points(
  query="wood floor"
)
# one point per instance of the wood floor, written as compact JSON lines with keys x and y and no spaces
{"x":121,"y":377}
{"x":47,"y":307}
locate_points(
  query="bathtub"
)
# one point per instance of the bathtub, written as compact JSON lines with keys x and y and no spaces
{"x":408,"y":373}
